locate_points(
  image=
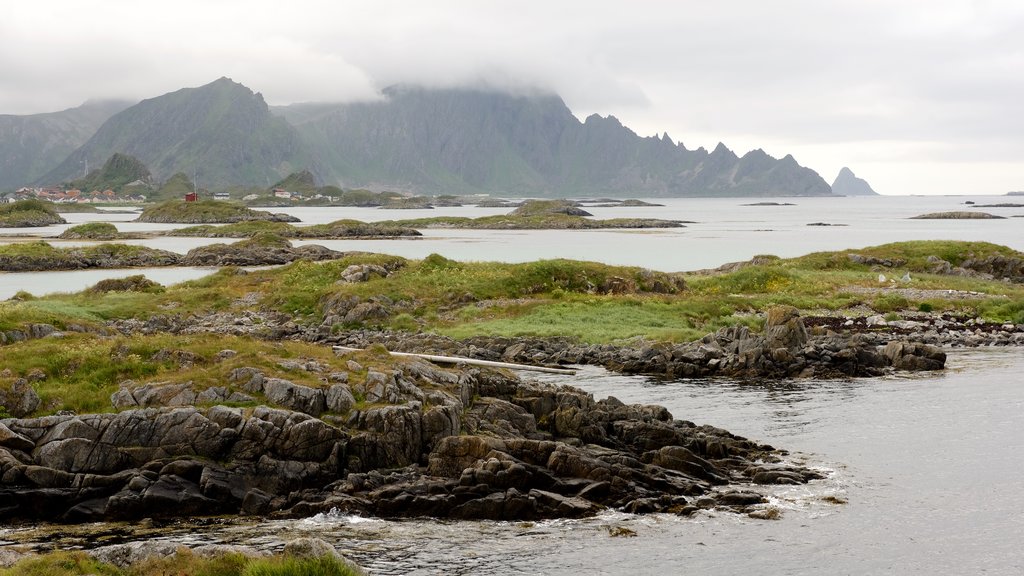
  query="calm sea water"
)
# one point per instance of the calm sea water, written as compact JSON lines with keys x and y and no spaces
{"x":725,"y":230}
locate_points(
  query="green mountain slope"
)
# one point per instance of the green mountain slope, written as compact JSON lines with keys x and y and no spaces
{"x":222,"y":132}
{"x":32,"y":145}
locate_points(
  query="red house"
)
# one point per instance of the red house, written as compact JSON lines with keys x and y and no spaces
{"x":191,"y":197}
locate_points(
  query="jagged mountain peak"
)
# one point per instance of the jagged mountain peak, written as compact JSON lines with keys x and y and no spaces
{"x":848,"y":184}
{"x":424,"y":140}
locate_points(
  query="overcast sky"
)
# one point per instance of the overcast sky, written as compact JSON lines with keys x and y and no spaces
{"x":917,"y":97}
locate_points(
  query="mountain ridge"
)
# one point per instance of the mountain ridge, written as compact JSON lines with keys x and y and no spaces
{"x":470,"y":140}
{"x":424,"y":141}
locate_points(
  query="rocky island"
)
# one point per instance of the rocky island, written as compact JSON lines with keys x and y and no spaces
{"x":331,"y":230}
{"x":29,"y":214}
{"x":263,"y":249}
{"x":539,"y":215}
{"x":207,"y":212}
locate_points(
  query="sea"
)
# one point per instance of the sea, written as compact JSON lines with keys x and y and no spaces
{"x":922,"y":472}
{"x":720,"y":230}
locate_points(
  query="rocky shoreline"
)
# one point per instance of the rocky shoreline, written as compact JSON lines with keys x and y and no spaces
{"x":420,"y":441}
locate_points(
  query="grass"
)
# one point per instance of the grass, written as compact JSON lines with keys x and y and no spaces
{"x":81,"y":371}
{"x":25,"y":213}
{"x":590,"y":301}
{"x":203,"y":211}
{"x":92,"y":231}
{"x":601,"y":319}
{"x":30,"y":205}
{"x":182,"y":563}
{"x":61,"y":564}
{"x":32,"y":256}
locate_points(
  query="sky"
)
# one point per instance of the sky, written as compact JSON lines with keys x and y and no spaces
{"x":915,"y":96}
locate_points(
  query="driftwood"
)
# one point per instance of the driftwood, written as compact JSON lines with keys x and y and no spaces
{"x":469,"y":361}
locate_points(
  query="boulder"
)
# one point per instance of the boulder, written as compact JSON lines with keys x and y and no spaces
{"x":303,"y":399}
{"x":914,"y":356}
{"x":20,"y":399}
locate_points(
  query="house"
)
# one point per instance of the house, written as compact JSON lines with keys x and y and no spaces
{"x":222,"y":196}
{"x":191,"y":197}
{"x":281,"y":193}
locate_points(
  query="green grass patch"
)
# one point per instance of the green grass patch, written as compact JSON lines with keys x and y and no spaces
{"x":91,"y":231}
{"x":183,"y":563}
{"x":547,"y":297}
{"x":27,"y":213}
{"x":83,"y":370}
{"x":203,"y":211}
{"x":604,"y":319}
{"x":61,"y":564}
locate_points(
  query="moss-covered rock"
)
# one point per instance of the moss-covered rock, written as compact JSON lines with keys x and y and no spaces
{"x":29,"y":214}
{"x":207,"y":212}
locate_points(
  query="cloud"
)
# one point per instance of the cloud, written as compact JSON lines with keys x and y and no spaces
{"x":791,"y":74}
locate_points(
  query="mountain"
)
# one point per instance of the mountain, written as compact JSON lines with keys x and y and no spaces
{"x":222,"y":132}
{"x":119,"y":172}
{"x":847,"y":184}
{"x":418,"y":140}
{"x":31,"y":145}
{"x":469,"y":141}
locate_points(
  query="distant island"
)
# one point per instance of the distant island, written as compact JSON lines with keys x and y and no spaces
{"x":847,"y":184}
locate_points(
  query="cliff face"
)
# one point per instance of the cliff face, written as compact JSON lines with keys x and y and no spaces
{"x":847,"y":184}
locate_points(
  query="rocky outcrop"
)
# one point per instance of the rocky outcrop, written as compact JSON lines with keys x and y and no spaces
{"x":994,"y":267}
{"x":419,"y":441}
{"x":262,"y":250}
{"x":102,"y":256}
{"x":785,"y":349}
{"x":957,"y":215}
{"x":997,"y":266}
{"x":18,"y":400}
